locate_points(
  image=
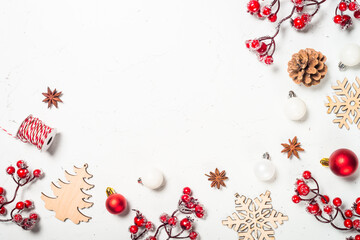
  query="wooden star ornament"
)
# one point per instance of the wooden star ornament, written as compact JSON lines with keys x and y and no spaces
{"x":52,"y":97}
{"x":292,"y":148}
{"x":217,"y":179}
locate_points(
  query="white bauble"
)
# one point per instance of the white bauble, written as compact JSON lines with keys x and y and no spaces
{"x":350,"y":55}
{"x":264,"y":170}
{"x":153,"y":179}
{"x":295,"y":108}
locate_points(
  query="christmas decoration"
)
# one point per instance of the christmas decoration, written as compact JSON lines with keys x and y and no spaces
{"x":255,"y":219}
{"x":347,"y":108}
{"x":22,"y":176}
{"x":153,"y":179}
{"x":292,"y":148}
{"x":345,"y":20}
{"x":264,"y":170}
{"x":295,"y":108}
{"x":169,"y":223}
{"x":52,"y":97}
{"x":343,"y":162}
{"x":307,"y":67}
{"x":322,"y":209}
{"x":217,"y":179}
{"x":70,"y":196}
{"x":349,"y":55}
{"x":115,"y":203}
{"x":264,"y":47}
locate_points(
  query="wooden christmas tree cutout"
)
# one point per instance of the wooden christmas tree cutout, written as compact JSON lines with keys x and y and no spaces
{"x":70,"y":197}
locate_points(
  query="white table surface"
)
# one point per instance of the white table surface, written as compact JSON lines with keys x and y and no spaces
{"x":166,"y":84}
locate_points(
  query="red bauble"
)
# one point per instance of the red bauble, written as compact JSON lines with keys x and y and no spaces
{"x":343,"y":162}
{"x":115,"y":203}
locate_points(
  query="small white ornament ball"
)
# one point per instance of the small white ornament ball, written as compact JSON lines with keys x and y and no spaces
{"x":295,"y":108}
{"x":350,"y":55}
{"x":153,"y":179}
{"x":264,"y":170}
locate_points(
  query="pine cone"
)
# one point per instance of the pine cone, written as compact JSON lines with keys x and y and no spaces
{"x":307,"y":67}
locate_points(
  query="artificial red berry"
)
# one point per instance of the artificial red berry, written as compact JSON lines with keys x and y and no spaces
{"x":313,"y":208}
{"x":37,"y":173}
{"x":185,"y":224}
{"x":346,"y":21}
{"x":190,"y":205}
{"x":2,"y":199}
{"x":151,"y":238}
{"x":248,"y":43}
{"x":21,"y":164}
{"x":337,"y":202}
{"x":263,"y":48}
{"x":342,"y":6}
{"x":2,"y":191}
{"x":348,"y":223}
{"x":10,"y":170}
{"x":272,"y":17}
{"x":133,"y":229}
{"x":28,"y":204}
{"x":259,"y":15}
{"x":306,"y":18}
{"x":255,"y":44}
{"x":328,"y":209}
{"x":164,"y":218}
{"x":27,"y":224}
{"x":298,"y":23}
{"x":357,"y":200}
{"x":2,"y":211}
{"x":356,"y":224}
{"x":303,"y":190}
{"x":34,"y":216}
{"x":299,"y":182}
{"x":266,"y":11}
{"x":299,"y":9}
{"x":268,"y":60}
{"x":297,"y":2}
{"x":172,"y":221}
{"x":199,"y":215}
{"x":253,"y":6}
{"x":185,"y":198}
{"x":307,"y":174}
{"x":348,"y":213}
{"x":22,"y":172}
{"x":353,"y":6}
{"x":17,"y":218}
{"x":20,"y":205}
{"x":357,"y":14}
{"x":338,"y":19}
{"x":193,"y":235}
{"x":187,"y":191}
{"x":357,"y":237}
{"x":296,"y":199}
{"x":199,"y":209}
{"x":149,"y":225}
{"x":357,"y":208}
{"x":139,"y":221}
{"x":325,"y":199}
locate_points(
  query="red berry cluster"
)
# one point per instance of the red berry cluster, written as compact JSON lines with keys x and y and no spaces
{"x":300,"y":16}
{"x":21,"y":177}
{"x":187,"y":205}
{"x":266,"y":11}
{"x":345,"y":20}
{"x":328,"y":213}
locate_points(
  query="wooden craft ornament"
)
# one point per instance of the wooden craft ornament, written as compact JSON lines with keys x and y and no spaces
{"x":70,"y":197}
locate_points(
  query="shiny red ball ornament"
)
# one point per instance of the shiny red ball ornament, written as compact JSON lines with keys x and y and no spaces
{"x":343,"y":162}
{"x":115,"y":203}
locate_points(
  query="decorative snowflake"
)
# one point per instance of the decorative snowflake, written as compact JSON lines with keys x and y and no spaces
{"x":254,"y":219}
{"x":347,"y":108}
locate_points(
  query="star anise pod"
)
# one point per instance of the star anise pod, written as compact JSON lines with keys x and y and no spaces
{"x":217,"y":178}
{"x":52,"y":97}
{"x":292,"y":148}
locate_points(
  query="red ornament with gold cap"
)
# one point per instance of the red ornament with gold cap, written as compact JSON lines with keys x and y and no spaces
{"x":115,"y":202}
{"x":343,"y":162}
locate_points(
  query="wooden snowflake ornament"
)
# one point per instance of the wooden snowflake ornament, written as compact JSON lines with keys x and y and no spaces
{"x":254,"y":219}
{"x":70,"y":197}
{"x":346,"y":104}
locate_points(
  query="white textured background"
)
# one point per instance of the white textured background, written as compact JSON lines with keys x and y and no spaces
{"x":167,"y":84}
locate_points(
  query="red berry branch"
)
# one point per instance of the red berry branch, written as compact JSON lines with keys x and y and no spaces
{"x":330,"y":212}
{"x":264,"y":47}
{"x":345,"y":20}
{"x":187,"y":205}
{"x":23,"y":178}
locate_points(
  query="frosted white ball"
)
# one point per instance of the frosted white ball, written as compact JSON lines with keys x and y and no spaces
{"x":350,"y":55}
{"x":295,"y":108}
{"x":264,"y":170}
{"x":153,"y":179}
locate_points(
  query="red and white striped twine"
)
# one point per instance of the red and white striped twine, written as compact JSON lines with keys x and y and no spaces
{"x":32,"y":130}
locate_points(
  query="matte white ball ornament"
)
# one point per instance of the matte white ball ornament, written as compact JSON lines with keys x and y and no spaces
{"x":295,"y":108}
{"x":264,"y":170}
{"x":349,"y":56}
{"x":152,"y":178}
